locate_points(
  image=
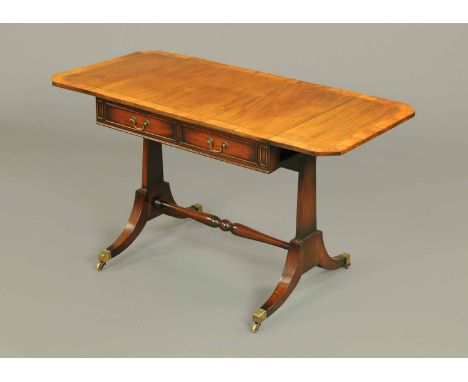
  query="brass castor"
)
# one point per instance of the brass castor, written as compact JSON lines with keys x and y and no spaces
{"x":258,"y":317}
{"x":197,"y":207}
{"x":103,"y":258}
{"x":347,"y":258}
{"x":255,"y":327}
{"x":100,"y":265}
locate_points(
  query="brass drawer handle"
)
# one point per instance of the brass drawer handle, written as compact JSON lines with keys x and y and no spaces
{"x":134,"y":123}
{"x":223,"y":146}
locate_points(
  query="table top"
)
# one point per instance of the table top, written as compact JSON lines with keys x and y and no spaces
{"x":293,"y":114}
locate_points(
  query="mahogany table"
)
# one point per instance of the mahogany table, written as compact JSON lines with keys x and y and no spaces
{"x":244,"y":117}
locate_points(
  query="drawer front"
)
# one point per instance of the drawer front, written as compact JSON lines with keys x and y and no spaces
{"x":202,"y":140}
{"x":218,"y":145}
{"x":137,"y":121}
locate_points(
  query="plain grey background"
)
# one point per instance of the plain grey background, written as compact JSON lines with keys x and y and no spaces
{"x":398,"y":204}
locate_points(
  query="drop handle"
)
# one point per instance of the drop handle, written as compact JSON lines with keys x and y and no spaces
{"x":223,"y":145}
{"x":134,"y":123}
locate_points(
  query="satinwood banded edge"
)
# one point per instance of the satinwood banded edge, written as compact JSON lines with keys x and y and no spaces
{"x":288,"y":113}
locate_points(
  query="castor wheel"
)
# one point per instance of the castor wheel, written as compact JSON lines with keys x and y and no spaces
{"x":255,"y":327}
{"x":100,"y":265}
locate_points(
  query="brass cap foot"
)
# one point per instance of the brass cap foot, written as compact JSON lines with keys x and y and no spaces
{"x":258,"y":317}
{"x":103,"y":257}
{"x":347,"y":258}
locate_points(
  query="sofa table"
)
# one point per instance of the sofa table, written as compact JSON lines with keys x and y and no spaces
{"x":244,"y":117}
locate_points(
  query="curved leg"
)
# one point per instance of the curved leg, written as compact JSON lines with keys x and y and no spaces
{"x":152,"y":183}
{"x":290,"y":277}
{"x":140,"y":214}
{"x":307,"y":250}
{"x":302,"y":255}
{"x":152,"y":186}
{"x":343,"y":260}
{"x":325,"y":261}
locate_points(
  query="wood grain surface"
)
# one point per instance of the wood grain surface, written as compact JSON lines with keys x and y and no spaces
{"x":292,"y":114}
